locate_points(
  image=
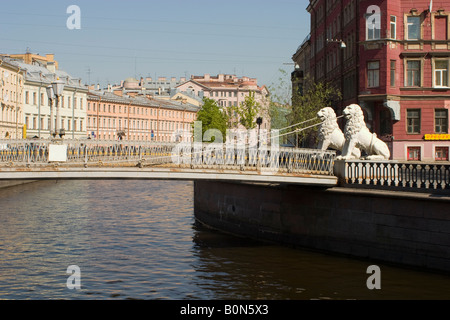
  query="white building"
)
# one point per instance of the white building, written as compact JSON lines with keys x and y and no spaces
{"x":36,"y":107}
{"x":11,"y":85}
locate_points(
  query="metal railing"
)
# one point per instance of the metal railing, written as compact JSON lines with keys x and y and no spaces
{"x":191,"y":155}
{"x":395,"y":175}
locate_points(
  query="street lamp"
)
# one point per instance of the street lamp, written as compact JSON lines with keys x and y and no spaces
{"x":58,"y":87}
{"x":50,"y":95}
{"x":342,"y":44}
{"x":259,"y":121}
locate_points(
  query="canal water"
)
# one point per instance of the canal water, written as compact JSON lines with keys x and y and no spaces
{"x":139,"y":240}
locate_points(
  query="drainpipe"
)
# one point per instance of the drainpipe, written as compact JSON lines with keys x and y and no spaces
{"x":183,"y":124}
{"x":98,"y":119}
{"x":128,"y":115}
{"x":157,"y":122}
{"x":73,"y":114}
{"x":17,"y":105}
{"x":39,"y":110}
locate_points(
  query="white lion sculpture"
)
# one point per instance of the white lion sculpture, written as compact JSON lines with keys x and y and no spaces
{"x":330,"y":135}
{"x":357,"y":135}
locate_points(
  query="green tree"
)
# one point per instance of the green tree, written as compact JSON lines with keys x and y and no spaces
{"x":289,"y":107}
{"x":305,"y":105}
{"x":231,"y":116}
{"x":248,"y":110}
{"x":212,"y":117}
{"x":280,"y":103}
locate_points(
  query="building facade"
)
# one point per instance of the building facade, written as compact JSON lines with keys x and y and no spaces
{"x":393,"y":59}
{"x":11,"y":116}
{"x":227,"y":91}
{"x":113,"y":117}
{"x":37,"y":114}
{"x":161,"y":87}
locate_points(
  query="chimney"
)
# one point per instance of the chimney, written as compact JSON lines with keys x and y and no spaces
{"x":50,"y":56}
{"x":51,"y":67}
{"x":221,"y":77}
{"x":207,"y":77}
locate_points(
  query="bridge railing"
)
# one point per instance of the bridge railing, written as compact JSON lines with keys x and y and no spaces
{"x":394,"y":175}
{"x":223,"y":156}
{"x":192,"y":155}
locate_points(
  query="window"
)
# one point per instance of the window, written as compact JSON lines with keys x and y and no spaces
{"x":373,"y":74}
{"x":441,"y":73}
{"x":441,"y":120}
{"x":393,"y":27}
{"x":413,"y":73}
{"x":441,"y":154}
{"x":440,"y":28}
{"x":413,"y":28}
{"x":413,"y":153}
{"x":413,"y":121}
{"x":393,"y":63}
{"x":373,"y":30}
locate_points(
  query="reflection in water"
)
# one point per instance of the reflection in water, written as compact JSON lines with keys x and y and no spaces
{"x":138,"y":240}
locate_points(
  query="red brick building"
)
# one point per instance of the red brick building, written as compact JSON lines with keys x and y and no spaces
{"x":392,"y":57}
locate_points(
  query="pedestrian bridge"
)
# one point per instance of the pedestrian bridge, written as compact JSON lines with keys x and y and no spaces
{"x":90,"y":159}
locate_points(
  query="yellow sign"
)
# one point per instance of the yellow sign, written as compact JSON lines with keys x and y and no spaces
{"x":24,"y":131}
{"x":443,"y":136}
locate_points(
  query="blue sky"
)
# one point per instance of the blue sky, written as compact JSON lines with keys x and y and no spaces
{"x":120,"y":39}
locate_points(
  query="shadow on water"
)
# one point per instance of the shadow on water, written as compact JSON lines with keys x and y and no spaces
{"x":239,"y":268}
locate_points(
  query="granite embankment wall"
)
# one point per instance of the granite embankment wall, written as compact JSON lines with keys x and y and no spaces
{"x":409,"y":229}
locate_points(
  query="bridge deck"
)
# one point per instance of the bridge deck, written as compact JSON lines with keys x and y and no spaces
{"x":135,"y":173}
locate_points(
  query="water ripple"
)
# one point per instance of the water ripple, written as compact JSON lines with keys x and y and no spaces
{"x":139,"y":240}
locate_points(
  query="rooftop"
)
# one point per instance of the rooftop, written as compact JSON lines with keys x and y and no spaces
{"x":38,"y":73}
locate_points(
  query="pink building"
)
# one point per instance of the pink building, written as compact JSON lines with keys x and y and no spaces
{"x":110,"y":117}
{"x":228,"y":90}
{"x":393,"y":59}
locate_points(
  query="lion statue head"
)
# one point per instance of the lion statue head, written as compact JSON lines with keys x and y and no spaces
{"x":355,"y":120}
{"x":329,"y":121}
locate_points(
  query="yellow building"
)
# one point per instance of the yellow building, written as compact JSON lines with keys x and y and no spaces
{"x":35,"y":59}
{"x":11,"y":116}
{"x":185,"y":98}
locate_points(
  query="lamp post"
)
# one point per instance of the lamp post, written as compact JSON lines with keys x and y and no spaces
{"x":50,"y":95}
{"x":58,"y":87}
{"x":259,"y":121}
